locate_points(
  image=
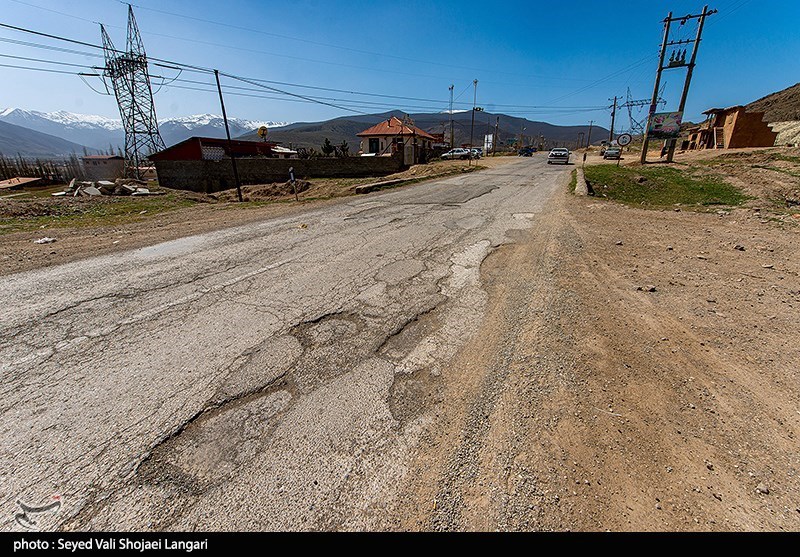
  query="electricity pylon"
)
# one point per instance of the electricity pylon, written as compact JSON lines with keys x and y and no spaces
{"x":130,"y":80}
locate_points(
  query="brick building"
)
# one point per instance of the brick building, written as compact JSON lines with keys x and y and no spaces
{"x":395,"y":136}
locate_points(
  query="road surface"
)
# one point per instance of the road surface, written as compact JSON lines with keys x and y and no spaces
{"x":268,"y":377}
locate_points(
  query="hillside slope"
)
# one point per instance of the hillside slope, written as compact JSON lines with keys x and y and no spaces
{"x":779,"y":107}
{"x":16,"y":140}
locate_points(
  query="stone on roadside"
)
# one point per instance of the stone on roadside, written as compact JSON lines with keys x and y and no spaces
{"x":762,"y":488}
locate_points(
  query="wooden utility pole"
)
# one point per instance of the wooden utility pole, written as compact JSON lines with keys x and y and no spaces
{"x":654,"y":100}
{"x":230,"y":144}
{"x":589,"y":136}
{"x":678,"y":62}
{"x":689,"y":72}
{"x":613,"y":119}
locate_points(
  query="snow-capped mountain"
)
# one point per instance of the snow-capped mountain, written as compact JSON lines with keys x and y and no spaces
{"x":174,"y":130}
{"x":100,"y":132}
{"x":93,"y":131}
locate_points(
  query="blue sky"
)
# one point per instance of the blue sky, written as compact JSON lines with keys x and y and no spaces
{"x":556,"y":62}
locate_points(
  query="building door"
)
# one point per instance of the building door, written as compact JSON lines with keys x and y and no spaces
{"x":374,"y":146}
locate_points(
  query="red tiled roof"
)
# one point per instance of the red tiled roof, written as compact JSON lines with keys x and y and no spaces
{"x":393,"y":126}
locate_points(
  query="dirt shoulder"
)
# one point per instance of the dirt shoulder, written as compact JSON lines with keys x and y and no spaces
{"x":149,"y":220}
{"x":589,"y":402}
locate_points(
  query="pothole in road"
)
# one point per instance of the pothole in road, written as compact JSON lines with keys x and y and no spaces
{"x":216,"y":444}
{"x":411,"y":394}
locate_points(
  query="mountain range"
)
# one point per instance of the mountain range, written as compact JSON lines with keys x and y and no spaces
{"x":61,"y":133}
{"x":313,"y":134}
{"x":101,"y":133}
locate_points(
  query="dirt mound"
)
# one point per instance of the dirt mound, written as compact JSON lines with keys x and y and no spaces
{"x":265,"y":192}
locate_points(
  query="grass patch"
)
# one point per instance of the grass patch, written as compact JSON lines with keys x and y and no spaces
{"x":654,"y":187}
{"x":573,"y":180}
{"x":776,"y":169}
{"x":21,"y":215}
{"x":786,"y":158}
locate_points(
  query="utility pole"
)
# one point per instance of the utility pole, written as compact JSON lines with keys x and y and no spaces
{"x":495,"y":139}
{"x":589,"y":137}
{"x":228,"y":133}
{"x":678,"y":61}
{"x":689,"y":72}
{"x":613,"y":119}
{"x":474,"y":105}
{"x":451,"y":116}
{"x":580,"y":139}
{"x":656,"y":85}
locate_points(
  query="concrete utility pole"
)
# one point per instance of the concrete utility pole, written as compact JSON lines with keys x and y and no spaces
{"x":689,"y":72}
{"x":495,"y":138}
{"x":613,"y":119}
{"x":675,"y":62}
{"x":589,"y":137}
{"x":451,"y":116}
{"x":474,"y":106}
{"x":228,"y":133}
{"x":580,"y":139}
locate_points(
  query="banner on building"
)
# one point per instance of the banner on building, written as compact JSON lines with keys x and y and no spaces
{"x":488,"y":142}
{"x":665,"y":125}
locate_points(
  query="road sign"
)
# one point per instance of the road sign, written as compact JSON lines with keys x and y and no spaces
{"x":624,"y":139}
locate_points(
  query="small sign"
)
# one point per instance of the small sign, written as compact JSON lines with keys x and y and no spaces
{"x":624,"y":139}
{"x":262,"y":132}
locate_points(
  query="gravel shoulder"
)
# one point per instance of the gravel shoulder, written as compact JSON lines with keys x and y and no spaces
{"x":635,"y":371}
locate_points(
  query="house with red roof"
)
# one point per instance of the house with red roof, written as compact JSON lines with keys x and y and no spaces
{"x":392,"y":136}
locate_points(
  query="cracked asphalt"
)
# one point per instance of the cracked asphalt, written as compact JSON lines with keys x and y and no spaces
{"x":274,"y":376}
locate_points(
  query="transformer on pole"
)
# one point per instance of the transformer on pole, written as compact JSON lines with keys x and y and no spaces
{"x":130,"y":80}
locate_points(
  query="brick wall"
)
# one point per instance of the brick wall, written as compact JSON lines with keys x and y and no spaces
{"x":213,"y":176}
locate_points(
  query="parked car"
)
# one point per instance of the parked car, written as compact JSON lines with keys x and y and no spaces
{"x":457,"y":153}
{"x":558,"y":155}
{"x":527,"y":151}
{"x":612,"y":153}
{"x":476,"y":153}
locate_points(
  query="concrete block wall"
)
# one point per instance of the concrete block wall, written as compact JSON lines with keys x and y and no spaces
{"x":214,"y":176}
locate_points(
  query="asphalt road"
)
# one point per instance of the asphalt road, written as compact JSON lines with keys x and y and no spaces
{"x":271,"y":376}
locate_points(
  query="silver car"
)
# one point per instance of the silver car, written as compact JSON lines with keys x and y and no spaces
{"x":558,"y":155}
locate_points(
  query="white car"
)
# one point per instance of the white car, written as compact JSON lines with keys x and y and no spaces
{"x":457,"y":153}
{"x":558,"y":155}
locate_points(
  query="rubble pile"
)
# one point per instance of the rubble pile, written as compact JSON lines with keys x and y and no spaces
{"x":120,"y":186}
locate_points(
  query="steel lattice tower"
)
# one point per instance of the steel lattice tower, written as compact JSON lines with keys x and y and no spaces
{"x":130,"y":80}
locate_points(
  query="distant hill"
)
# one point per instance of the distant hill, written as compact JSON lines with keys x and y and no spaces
{"x":313,"y":134}
{"x":29,"y":143}
{"x":779,"y":107}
